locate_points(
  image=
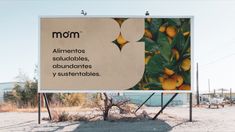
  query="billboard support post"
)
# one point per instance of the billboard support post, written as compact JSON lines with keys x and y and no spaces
{"x":190,"y":107}
{"x":231,"y":99}
{"x":197,"y":87}
{"x":162,"y":101}
{"x":144,"y":102}
{"x":39,"y":108}
{"x":47,"y":105}
{"x":165,"y":106}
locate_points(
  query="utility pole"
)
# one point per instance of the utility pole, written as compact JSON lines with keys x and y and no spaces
{"x":222,"y":92}
{"x":197,"y":86}
{"x":209,"y":86}
{"x":231,"y":101}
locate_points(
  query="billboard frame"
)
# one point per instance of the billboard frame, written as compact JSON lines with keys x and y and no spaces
{"x":192,"y":71}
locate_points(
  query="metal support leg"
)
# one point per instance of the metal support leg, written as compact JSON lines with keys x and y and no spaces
{"x":144,"y":102}
{"x":190,"y":107}
{"x":39,"y":108}
{"x":47,"y":105}
{"x":161,"y":101}
{"x":165,"y":106}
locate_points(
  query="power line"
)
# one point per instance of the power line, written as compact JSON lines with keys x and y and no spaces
{"x":218,"y":59}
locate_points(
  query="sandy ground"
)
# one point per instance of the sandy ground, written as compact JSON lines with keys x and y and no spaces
{"x":173,"y":119}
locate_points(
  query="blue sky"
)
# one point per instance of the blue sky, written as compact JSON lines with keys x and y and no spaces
{"x":214,"y":26}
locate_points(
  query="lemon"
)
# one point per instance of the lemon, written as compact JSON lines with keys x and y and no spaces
{"x":121,"y":40}
{"x":146,"y":88}
{"x":148,"y":34}
{"x":147,"y":59}
{"x":185,"y":87}
{"x":162,"y":78}
{"x":146,"y":52}
{"x":168,"y":71}
{"x":179,"y":80}
{"x":171,"y":31}
{"x":169,"y":84}
{"x":149,"y":20}
{"x":162,"y":29}
{"x":157,"y":52}
{"x":176,"y":54}
{"x":186,"y":64}
{"x":186,"y":33}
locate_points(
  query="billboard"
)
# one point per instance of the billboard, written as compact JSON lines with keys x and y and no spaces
{"x":115,"y":54}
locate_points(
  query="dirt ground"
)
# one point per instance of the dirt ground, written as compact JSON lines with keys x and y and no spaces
{"x":173,"y":119}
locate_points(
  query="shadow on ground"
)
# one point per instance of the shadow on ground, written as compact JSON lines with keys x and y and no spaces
{"x":124,"y":126}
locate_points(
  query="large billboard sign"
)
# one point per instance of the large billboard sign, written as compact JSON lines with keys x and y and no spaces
{"x":115,"y":54}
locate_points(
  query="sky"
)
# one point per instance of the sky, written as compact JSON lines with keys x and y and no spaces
{"x":213,"y":34}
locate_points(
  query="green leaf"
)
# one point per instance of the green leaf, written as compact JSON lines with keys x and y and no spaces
{"x":155,"y":65}
{"x":154,"y":86}
{"x":179,"y":42}
{"x":164,"y":46}
{"x":150,"y":45}
{"x":154,"y":27}
{"x":147,"y":25}
{"x":185,"y":27}
{"x":174,"y":21}
{"x":186,"y":45}
{"x":186,"y":77}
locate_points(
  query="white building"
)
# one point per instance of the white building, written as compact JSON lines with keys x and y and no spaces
{"x":6,"y":87}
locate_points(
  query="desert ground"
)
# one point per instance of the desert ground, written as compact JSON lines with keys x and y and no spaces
{"x":172,"y":119}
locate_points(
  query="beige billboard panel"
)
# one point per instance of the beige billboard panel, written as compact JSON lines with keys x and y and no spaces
{"x":80,"y":54}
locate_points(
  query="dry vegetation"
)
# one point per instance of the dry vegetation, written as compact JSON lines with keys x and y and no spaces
{"x":81,"y":107}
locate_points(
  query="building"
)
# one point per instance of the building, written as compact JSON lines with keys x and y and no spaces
{"x":155,"y":100}
{"x":7,"y":87}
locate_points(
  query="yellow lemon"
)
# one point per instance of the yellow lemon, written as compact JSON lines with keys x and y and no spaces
{"x":149,"y":20}
{"x":146,"y":52}
{"x":169,"y":84}
{"x":146,"y":88}
{"x":157,"y":52}
{"x":162,"y":29}
{"x":147,"y":59}
{"x":185,"y":87}
{"x":176,"y":54}
{"x":148,"y":34}
{"x":186,"y":33}
{"x":168,"y":71}
{"x":186,"y":64}
{"x":162,"y":78}
{"x":171,"y":31}
{"x":179,"y":80}
{"x":121,"y":40}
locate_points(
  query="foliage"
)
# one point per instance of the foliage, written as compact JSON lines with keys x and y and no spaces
{"x":73,"y":99}
{"x":167,"y":54}
{"x":25,"y":96}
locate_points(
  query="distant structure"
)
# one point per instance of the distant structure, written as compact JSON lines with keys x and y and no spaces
{"x":139,"y":98}
{"x":147,"y":13}
{"x":7,"y":87}
{"x":83,"y":12}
